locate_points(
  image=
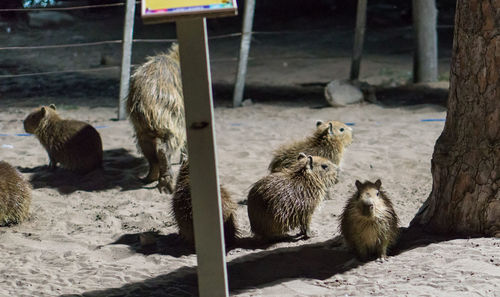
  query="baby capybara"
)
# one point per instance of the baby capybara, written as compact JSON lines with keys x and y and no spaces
{"x":285,"y":200}
{"x":15,"y":195}
{"x":369,"y":223}
{"x":183,"y":212}
{"x":328,"y":141}
{"x":156,"y":109}
{"x":75,"y":145}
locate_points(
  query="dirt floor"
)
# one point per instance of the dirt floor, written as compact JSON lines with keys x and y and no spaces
{"x":83,"y":236}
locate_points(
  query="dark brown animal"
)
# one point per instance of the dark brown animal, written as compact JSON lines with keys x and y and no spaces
{"x":328,"y":141}
{"x":183,"y":212}
{"x":369,"y":223}
{"x":15,"y":195}
{"x":75,"y":145}
{"x":156,"y":109}
{"x":285,"y":200}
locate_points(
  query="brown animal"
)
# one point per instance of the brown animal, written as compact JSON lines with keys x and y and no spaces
{"x":156,"y":109}
{"x":328,"y":141}
{"x":369,"y":223}
{"x":285,"y":200}
{"x":183,"y":212}
{"x":75,"y":145}
{"x":15,"y":195}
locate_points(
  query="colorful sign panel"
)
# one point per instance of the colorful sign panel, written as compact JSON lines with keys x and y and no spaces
{"x":166,"y":10}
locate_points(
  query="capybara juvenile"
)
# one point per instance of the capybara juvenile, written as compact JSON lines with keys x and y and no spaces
{"x":183,"y":212}
{"x":15,"y":195}
{"x":328,"y":141}
{"x":75,"y":145}
{"x":368,"y":222}
{"x":285,"y":200}
{"x":156,"y":109}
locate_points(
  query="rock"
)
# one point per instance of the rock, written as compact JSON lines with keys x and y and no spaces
{"x":43,"y":19}
{"x":340,"y":93}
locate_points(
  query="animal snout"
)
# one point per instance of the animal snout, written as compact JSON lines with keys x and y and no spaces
{"x":367,"y":207}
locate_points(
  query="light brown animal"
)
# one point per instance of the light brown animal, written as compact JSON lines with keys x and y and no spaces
{"x":15,"y":195}
{"x":328,"y":141}
{"x":156,"y":109}
{"x":285,"y":200}
{"x":183,"y":212}
{"x":75,"y":145}
{"x":368,"y":222}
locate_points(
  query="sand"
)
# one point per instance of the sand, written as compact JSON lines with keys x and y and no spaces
{"x":83,"y":235}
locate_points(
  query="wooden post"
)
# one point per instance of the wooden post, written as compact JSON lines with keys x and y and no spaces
{"x":359,"y":36}
{"x":205,"y":193}
{"x":246,"y":39}
{"x":128,"y":32}
{"x":425,"y":59}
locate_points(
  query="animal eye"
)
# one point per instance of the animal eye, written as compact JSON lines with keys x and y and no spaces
{"x":324,"y":166}
{"x":341,"y":129}
{"x":377,"y":193}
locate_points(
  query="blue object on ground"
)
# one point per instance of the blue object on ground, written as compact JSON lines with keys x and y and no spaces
{"x":350,"y":124}
{"x":433,"y":120}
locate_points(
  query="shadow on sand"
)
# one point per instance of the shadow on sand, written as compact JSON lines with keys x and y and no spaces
{"x":120,"y":169}
{"x":313,"y":261}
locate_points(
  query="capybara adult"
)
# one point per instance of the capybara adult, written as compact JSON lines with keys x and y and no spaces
{"x":368,"y":222}
{"x":75,"y":145}
{"x":156,"y":109}
{"x":15,"y":195}
{"x":183,"y":212}
{"x":328,"y":141}
{"x":285,"y":200}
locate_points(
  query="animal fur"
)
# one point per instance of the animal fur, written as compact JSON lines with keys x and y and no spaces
{"x":183,"y":212}
{"x":285,"y":200}
{"x":15,"y":195}
{"x":328,"y":141}
{"x":156,"y":109}
{"x":368,"y":222}
{"x":75,"y":145}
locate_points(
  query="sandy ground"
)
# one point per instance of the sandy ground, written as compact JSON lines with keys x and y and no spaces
{"x":83,"y":234}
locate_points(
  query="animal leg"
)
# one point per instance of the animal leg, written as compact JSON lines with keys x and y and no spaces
{"x":52,"y":163}
{"x":166,"y":176}
{"x":305,"y":229}
{"x":148,"y":147}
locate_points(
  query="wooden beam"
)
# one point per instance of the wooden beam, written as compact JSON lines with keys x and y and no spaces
{"x":425,"y":68}
{"x":128,"y":32}
{"x":359,"y":36}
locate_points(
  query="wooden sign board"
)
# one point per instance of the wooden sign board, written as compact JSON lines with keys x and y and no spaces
{"x":158,"y":11}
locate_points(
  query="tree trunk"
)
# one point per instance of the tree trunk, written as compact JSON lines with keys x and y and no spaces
{"x":465,"y":197}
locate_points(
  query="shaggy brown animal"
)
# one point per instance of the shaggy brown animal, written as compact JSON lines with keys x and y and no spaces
{"x":183,"y":212}
{"x":285,"y":200}
{"x":15,"y":195}
{"x":75,"y":145}
{"x":328,"y":141}
{"x":156,"y":109}
{"x":369,"y":223}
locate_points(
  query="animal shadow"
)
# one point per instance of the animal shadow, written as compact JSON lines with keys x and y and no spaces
{"x":120,"y":169}
{"x":148,"y":243}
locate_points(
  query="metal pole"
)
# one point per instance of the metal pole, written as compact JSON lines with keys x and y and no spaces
{"x":205,"y":196}
{"x":424,"y":22}
{"x":128,"y":32}
{"x":246,"y":39}
{"x":359,"y":36}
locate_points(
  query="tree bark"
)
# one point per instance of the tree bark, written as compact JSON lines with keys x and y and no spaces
{"x":465,"y":197}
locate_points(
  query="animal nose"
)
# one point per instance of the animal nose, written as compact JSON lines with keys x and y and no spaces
{"x":368,"y":204}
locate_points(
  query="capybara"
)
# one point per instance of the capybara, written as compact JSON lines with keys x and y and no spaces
{"x":368,"y":222}
{"x":156,"y":109}
{"x":75,"y":145}
{"x":328,"y":141}
{"x":183,"y":212}
{"x":15,"y":195}
{"x":285,"y":200}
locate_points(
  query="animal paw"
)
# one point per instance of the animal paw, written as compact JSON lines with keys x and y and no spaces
{"x":165,"y":185}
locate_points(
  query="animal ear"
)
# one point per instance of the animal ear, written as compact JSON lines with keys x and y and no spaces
{"x":52,"y":106}
{"x":43,"y":110}
{"x":301,"y":156}
{"x":310,"y":162}
{"x":330,"y":128}
{"x":318,"y":123}
{"x":358,"y":184}
{"x":378,"y":183}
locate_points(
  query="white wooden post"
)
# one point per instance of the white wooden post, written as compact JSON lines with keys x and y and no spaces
{"x":205,"y":196}
{"x":425,"y":67}
{"x":246,"y":39}
{"x":359,"y":36}
{"x":128,"y":32}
